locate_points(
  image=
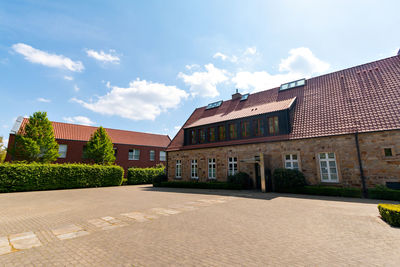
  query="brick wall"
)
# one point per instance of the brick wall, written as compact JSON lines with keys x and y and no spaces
{"x":377,"y":168}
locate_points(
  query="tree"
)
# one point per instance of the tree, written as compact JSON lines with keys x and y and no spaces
{"x":3,"y":150}
{"x":100,"y":148}
{"x":36,"y":143}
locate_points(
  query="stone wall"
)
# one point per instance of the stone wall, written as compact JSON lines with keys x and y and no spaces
{"x":377,"y":168}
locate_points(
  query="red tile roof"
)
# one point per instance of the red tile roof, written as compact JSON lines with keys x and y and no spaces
{"x":363,"y":98}
{"x":77,"y":132}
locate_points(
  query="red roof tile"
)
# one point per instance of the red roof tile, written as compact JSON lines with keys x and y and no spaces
{"x":363,"y":98}
{"x":77,"y":132}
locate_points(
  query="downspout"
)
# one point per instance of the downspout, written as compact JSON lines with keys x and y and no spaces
{"x":364,"y":188}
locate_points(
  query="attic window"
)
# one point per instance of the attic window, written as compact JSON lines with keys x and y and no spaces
{"x":244,"y":97}
{"x":293,"y":84}
{"x":214,"y":105}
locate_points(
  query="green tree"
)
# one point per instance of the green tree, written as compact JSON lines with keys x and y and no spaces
{"x":3,"y":150}
{"x":36,"y":143}
{"x":100,"y":148}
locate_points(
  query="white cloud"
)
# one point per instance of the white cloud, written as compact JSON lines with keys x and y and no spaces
{"x":192,"y":66}
{"x":76,"y":88}
{"x":142,"y":100}
{"x":301,"y":63}
{"x":101,"y":56}
{"x":79,"y":120}
{"x":50,"y":60}
{"x":224,"y":57}
{"x":44,"y":100}
{"x":204,"y":83}
{"x":5,"y":142}
{"x":250,"y":51}
{"x":68,"y":78}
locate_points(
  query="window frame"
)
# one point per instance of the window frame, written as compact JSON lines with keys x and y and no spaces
{"x":235,"y":131}
{"x":211,"y":132}
{"x":164,"y":156}
{"x":258,"y":126}
{"x":134,"y":154}
{"x":291,"y":160}
{"x":328,"y":167}
{"x":245,"y":128}
{"x":178,"y":162}
{"x":274,"y":126}
{"x":194,"y":169}
{"x":221,"y":133}
{"x":65,"y":152}
{"x":152,"y":152}
{"x":213,"y":163}
{"x":233,"y":163}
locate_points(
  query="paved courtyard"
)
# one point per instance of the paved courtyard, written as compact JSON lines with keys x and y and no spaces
{"x":144,"y":226}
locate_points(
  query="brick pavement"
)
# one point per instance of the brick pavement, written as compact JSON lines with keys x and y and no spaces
{"x":143,"y":226}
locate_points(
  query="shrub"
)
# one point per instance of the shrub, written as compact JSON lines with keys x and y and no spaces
{"x":143,"y":175}
{"x":325,"y":191}
{"x":382,"y":192}
{"x":390,"y":213}
{"x":242,"y":179}
{"x":201,"y":185}
{"x":28,"y":177}
{"x":162,"y":177}
{"x":286,"y":178}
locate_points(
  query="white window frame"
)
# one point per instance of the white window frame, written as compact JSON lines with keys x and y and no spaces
{"x":62,"y":153}
{"x":163,"y":155}
{"x":178,"y":169}
{"x":152,"y":155}
{"x":134,"y":154}
{"x":232,"y":165}
{"x":291,"y":162}
{"x":194,"y":171}
{"x":328,"y":160}
{"x":212,"y":169}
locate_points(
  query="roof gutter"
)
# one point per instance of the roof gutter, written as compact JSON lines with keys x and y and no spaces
{"x":364,"y":187}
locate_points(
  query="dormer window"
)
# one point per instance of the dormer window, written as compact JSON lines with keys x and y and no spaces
{"x":193,"y":137}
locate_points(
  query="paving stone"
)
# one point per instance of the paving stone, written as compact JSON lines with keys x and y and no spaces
{"x":165,"y":212}
{"x":69,"y":231}
{"x":139,"y":216}
{"x":24,"y":240}
{"x":4,"y":245}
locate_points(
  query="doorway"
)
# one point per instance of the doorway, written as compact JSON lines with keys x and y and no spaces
{"x":268,"y":178}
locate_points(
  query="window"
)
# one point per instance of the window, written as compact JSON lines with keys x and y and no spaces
{"x":259,"y":127}
{"x":202,"y":135}
{"x":115,"y":152}
{"x":163,"y":156}
{"x":245,"y":125}
{"x":214,"y":105}
{"x":178,"y":169}
{"x":244,"y":97}
{"x":273,"y":125}
{"x":62,"y":151}
{"x":232,"y":166}
{"x":194,"y":173}
{"x":327,"y":163}
{"x":221,"y":133}
{"x":134,"y":154}
{"x":193,"y":137}
{"x":297,"y":83}
{"x":388,"y":152}
{"x":291,"y":162}
{"x":233,"y":131}
{"x":84,"y":155}
{"x":152,"y":155}
{"x":211,"y":169}
{"x":211,"y":134}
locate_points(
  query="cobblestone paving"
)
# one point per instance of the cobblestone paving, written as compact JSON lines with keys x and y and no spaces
{"x":143,"y":226}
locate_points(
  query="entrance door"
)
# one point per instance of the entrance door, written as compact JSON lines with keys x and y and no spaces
{"x":268,"y":178}
{"x":258,"y":176}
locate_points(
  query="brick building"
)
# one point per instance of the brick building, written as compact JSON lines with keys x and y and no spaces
{"x":132,"y":149}
{"x":341,"y":128}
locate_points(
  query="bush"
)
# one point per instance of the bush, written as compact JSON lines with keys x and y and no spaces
{"x":390,"y":213}
{"x":325,"y":191}
{"x":242,"y":179}
{"x":286,"y":178}
{"x":202,"y":185}
{"x":29,"y":177}
{"x":162,"y":177}
{"x":143,"y":175}
{"x":382,"y":192}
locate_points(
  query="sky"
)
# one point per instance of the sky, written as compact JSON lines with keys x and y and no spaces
{"x":146,"y":65}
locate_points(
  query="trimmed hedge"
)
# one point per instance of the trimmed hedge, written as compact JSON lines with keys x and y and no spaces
{"x":287,"y":178}
{"x":242,"y":179}
{"x":390,"y":213}
{"x":143,"y":175}
{"x":325,"y":191}
{"x":382,"y":192}
{"x":202,"y":185}
{"x":31,"y":177}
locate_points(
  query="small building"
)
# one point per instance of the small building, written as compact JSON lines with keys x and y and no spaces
{"x":132,"y":149}
{"x":342,"y":128}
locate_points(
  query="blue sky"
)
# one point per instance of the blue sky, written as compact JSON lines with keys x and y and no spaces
{"x":146,"y":65}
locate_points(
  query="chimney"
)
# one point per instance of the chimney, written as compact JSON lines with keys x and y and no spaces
{"x":236,"y":95}
{"x":398,"y":53}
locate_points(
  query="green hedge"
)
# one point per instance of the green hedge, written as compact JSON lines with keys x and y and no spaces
{"x":324,"y":191}
{"x":382,"y":192}
{"x":287,"y":178}
{"x":202,"y":185}
{"x":143,"y":175}
{"x":390,"y":213}
{"x":30,"y":177}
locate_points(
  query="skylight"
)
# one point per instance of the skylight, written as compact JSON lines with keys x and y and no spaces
{"x":293,"y":84}
{"x":244,"y":97}
{"x":214,"y":105}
